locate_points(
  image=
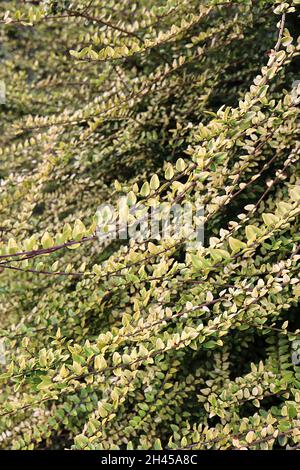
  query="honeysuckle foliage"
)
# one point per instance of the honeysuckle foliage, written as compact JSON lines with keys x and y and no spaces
{"x":149,"y":343}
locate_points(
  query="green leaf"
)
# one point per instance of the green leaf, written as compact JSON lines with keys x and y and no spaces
{"x":81,"y":441}
{"x":270,"y":219}
{"x":236,"y":245}
{"x":145,"y":190}
{"x":47,"y":241}
{"x":292,"y":412}
{"x":154,"y":182}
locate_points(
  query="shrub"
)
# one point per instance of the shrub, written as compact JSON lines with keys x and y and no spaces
{"x":110,"y":342}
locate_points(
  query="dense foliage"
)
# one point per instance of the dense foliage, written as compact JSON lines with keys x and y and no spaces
{"x":149,"y":343}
